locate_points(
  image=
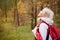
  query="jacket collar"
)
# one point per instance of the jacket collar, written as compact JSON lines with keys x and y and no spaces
{"x":47,"y":20}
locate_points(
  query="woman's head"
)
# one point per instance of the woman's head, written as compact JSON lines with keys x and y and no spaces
{"x":46,"y":12}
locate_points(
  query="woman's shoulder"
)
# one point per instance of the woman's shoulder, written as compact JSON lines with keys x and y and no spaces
{"x":43,"y":25}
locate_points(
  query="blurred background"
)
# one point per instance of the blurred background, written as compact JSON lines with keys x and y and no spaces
{"x":19,"y":17}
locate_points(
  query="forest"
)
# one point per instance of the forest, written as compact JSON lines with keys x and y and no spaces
{"x":19,"y":17}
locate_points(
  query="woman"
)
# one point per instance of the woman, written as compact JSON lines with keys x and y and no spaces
{"x":46,"y":15}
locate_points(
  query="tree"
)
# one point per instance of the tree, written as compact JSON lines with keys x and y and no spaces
{"x":16,"y":15}
{"x":5,"y":5}
{"x":33,"y":13}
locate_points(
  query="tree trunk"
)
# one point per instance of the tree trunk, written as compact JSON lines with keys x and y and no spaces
{"x":16,"y":16}
{"x":32,"y":15}
{"x":35,"y":14}
{"x":5,"y":11}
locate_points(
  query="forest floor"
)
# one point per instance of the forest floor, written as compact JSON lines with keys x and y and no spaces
{"x":16,"y":33}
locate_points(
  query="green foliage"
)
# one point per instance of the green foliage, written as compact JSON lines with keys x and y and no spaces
{"x":20,"y":33}
{"x":7,"y":4}
{"x":57,"y":19}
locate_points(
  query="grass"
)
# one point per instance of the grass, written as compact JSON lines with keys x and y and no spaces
{"x":16,"y":33}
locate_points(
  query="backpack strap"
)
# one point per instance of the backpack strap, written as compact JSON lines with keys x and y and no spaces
{"x":47,"y":37}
